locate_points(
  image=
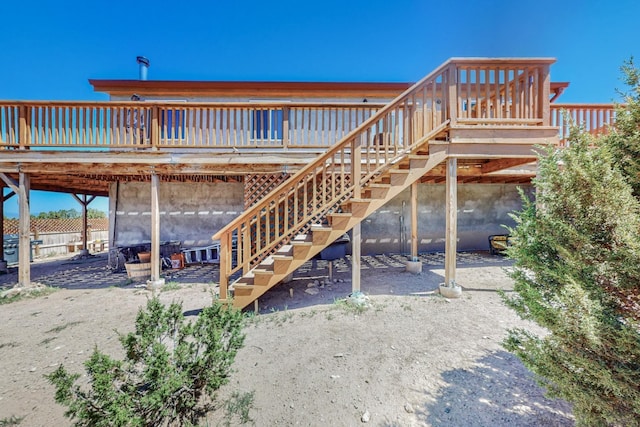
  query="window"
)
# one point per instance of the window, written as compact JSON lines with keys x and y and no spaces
{"x":267,"y":124}
{"x":172,"y":120}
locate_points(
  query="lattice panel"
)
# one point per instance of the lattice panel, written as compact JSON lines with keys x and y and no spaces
{"x":258,"y":186}
{"x":266,"y":229}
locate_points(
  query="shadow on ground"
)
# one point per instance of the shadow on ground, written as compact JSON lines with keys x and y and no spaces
{"x":497,"y":391}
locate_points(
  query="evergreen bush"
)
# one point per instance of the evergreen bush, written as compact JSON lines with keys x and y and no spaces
{"x":170,"y":373}
{"x":577,"y":272}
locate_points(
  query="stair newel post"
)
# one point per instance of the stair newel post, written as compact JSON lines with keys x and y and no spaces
{"x":225,"y":265}
{"x":544,"y":94}
{"x":246,"y":249}
{"x":452,"y":94}
{"x":356,"y":163}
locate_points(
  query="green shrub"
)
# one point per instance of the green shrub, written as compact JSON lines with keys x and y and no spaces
{"x":169,"y":375}
{"x":577,"y":274}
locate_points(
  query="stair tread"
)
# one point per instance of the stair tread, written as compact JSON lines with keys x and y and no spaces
{"x":242,"y":286}
{"x":246,"y":279}
{"x":376,"y":185}
{"x":268,"y":261}
{"x":302,"y":239}
{"x":320,"y":227}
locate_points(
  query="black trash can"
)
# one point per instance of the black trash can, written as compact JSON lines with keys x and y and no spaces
{"x":337,"y":249}
{"x":10,"y":249}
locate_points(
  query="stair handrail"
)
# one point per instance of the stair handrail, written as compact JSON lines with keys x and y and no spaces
{"x":430,"y":95}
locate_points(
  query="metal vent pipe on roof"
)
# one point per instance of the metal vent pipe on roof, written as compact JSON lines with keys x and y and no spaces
{"x":144,"y":66}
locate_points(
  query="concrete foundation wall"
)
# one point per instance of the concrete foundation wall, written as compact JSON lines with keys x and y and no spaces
{"x":482,"y":210}
{"x":189,"y":212}
{"x":192,"y":213}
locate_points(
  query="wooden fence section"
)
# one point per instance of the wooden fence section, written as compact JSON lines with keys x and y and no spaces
{"x":121,"y":125}
{"x":593,"y":118}
{"x":62,"y":236}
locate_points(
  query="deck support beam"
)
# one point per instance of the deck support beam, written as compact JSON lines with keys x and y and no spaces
{"x":451,"y":204}
{"x":156,"y":281}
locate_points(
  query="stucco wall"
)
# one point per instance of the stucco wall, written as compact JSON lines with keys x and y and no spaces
{"x":189,"y":212}
{"x":482,"y":210}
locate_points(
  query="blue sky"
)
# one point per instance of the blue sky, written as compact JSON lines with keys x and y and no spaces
{"x":50,"y":49}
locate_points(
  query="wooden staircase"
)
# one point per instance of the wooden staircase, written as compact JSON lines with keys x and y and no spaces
{"x":303,"y":247}
{"x":375,"y":162}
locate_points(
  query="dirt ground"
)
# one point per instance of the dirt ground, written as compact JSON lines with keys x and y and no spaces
{"x":413,"y":358}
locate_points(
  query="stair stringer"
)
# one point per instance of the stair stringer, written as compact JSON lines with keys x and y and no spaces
{"x":245,"y":294}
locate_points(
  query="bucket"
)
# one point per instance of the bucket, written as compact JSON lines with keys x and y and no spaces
{"x":177,"y":261}
{"x":138,"y":269}
{"x":144,"y":256}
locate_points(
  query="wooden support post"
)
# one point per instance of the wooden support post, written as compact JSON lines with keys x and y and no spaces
{"x":24,"y":225}
{"x":245,"y":251}
{"x":451,"y":222}
{"x":356,"y":163}
{"x":36,"y":236}
{"x":113,"y":209}
{"x":544,"y":93}
{"x":355,"y":259}
{"x":414,"y":221}
{"x":155,"y":281}
{"x":84,"y":201}
{"x":225,"y":262}
{"x":453,"y":94}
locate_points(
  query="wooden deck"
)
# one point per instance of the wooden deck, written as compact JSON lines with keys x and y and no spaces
{"x":470,"y":120}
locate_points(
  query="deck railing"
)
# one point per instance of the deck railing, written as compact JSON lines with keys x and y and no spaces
{"x":122,"y":125}
{"x":422,"y":112}
{"x":593,"y":118}
{"x":502,"y":91}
